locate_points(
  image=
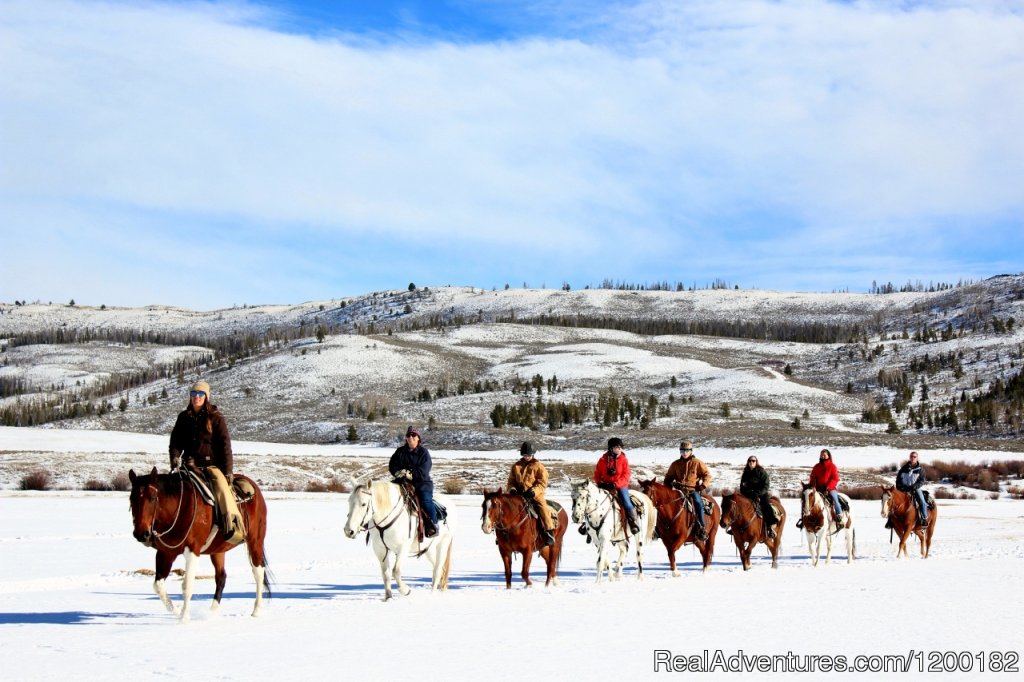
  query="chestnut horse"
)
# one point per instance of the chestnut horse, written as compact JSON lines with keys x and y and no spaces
{"x":170,"y":516}
{"x":899,"y":508}
{"x":747,"y":527}
{"x":506,"y":515}
{"x":676,"y":525}
{"x":819,"y":522}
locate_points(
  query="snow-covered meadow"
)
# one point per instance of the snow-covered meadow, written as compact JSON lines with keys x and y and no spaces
{"x":75,"y":599}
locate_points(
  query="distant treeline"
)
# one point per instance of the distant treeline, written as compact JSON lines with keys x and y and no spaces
{"x":775,"y":330}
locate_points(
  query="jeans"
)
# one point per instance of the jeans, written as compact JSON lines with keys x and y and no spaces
{"x":627,"y":502}
{"x":426,"y":494}
{"x":835,"y":502}
{"x":698,"y":504}
{"x":921,"y":505}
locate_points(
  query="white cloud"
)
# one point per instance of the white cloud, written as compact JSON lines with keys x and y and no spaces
{"x":669,"y":124}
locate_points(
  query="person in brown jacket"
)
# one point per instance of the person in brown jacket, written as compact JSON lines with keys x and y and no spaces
{"x":529,"y":478}
{"x":200,"y":437}
{"x":690,"y":475}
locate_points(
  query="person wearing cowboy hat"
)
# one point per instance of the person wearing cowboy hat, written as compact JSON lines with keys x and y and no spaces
{"x":529,"y":478}
{"x":690,"y":475}
{"x":200,"y":439}
{"x":413,"y":458}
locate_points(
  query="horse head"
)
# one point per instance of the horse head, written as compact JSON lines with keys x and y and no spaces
{"x":144,"y":502}
{"x":360,"y":510}
{"x":727,"y":508}
{"x":886,"y":500}
{"x":489,"y":511}
{"x":580,"y":499}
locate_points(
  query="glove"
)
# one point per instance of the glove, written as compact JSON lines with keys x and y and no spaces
{"x":528,"y":494}
{"x":403,"y":475}
{"x":700,"y":487}
{"x":175,"y":462}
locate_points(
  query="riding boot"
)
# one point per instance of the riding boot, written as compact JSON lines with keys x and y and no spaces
{"x":800,"y":523}
{"x":634,"y":525}
{"x":549,"y":537}
{"x":429,"y":529}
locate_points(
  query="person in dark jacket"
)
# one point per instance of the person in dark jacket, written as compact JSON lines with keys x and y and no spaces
{"x":909,"y":479}
{"x":200,"y":439}
{"x":414,"y":459}
{"x":754,"y":485}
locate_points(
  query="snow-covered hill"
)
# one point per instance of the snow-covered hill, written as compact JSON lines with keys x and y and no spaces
{"x":282,"y":383}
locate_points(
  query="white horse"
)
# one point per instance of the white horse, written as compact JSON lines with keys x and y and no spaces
{"x":598,"y":511}
{"x":819,"y":524}
{"x":379,"y":508}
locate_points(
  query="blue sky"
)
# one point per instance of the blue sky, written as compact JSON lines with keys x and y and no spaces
{"x":209,"y":154}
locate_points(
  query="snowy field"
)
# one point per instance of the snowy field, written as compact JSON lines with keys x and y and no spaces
{"x":73,"y":603}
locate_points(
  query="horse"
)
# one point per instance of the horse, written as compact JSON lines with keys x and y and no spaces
{"x":506,"y":515}
{"x":816,"y":514}
{"x":170,"y":516}
{"x":381,"y":506}
{"x":676,"y":523}
{"x":747,"y":527}
{"x":597,"y":510}
{"x":899,"y":508}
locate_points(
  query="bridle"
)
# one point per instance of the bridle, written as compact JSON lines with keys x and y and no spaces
{"x":494,"y":503}
{"x":591,"y":507}
{"x":155,"y":499}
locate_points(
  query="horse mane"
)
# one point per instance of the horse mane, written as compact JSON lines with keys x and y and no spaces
{"x":381,"y":492}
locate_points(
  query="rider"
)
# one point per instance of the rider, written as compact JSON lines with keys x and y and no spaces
{"x":612,"y":471}
{"x":825,"y":479}
{"x":529,"y":478}
{"x":200,"y":438}
{"x":754,"y":485}
{"x":412,"y":461}
{"x":690,"y":475}
{"x":909,"y":479}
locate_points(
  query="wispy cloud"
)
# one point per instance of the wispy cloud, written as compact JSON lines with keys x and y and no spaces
{"x":643,"y":141}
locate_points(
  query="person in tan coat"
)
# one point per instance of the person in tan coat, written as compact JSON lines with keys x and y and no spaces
{"x":690,"y":475}
{"x":529,"y":478}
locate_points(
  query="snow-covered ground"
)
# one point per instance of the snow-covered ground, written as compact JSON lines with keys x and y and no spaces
{"x":72,"y":604}
{"x":75,"y":600}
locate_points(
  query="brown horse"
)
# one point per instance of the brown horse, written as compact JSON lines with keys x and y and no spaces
{"x":506,"y":516}
{"x":676,"y":524}
{"x":170,"y":516}
{"x":747,"y":527}
{"x":898,"y":507}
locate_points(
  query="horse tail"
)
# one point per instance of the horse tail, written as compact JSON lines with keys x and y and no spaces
{"x":447,"y":566}
{"x":268,"y":577}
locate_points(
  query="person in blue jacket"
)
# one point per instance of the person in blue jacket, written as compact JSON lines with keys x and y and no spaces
{"x":414,"y":459}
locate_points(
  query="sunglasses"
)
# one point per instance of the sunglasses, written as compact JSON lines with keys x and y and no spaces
{"x":196,"y":394}
{"x":685,"y":449}
{"x":751,"y":460}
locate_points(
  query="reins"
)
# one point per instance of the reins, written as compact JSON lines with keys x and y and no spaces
{"x":177,"y":514}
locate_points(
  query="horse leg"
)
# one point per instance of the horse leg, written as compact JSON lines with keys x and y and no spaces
{"x":813,"y":547}
{"x":745,"y":549}
{"x":220,"y":576}
{"x":527,"y":559}
{"x":550,"y":556}
{"x":163,"y":569}
{"x":602,"y":560}
{"x":621,"y":565}
{"x":259,"y":575}
{"x":828,"y":546}
{"x":639,"y":557}
{"x":186,"y":586}
{"x":400,"y":553}
{"x":506,"y":559}
{"x":773,"y":548}
{"x":849,"y":545}
{"x":671,"y":559}
{"x":381,"y":553}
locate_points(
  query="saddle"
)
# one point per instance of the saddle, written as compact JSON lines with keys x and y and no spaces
{"x":241,"y":489}
{"x":412,"y":502}
{"x":554,"y":507}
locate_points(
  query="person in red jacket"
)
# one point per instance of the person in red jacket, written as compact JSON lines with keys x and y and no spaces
{"x":825,"y":479}
{"x":612,"y":472}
